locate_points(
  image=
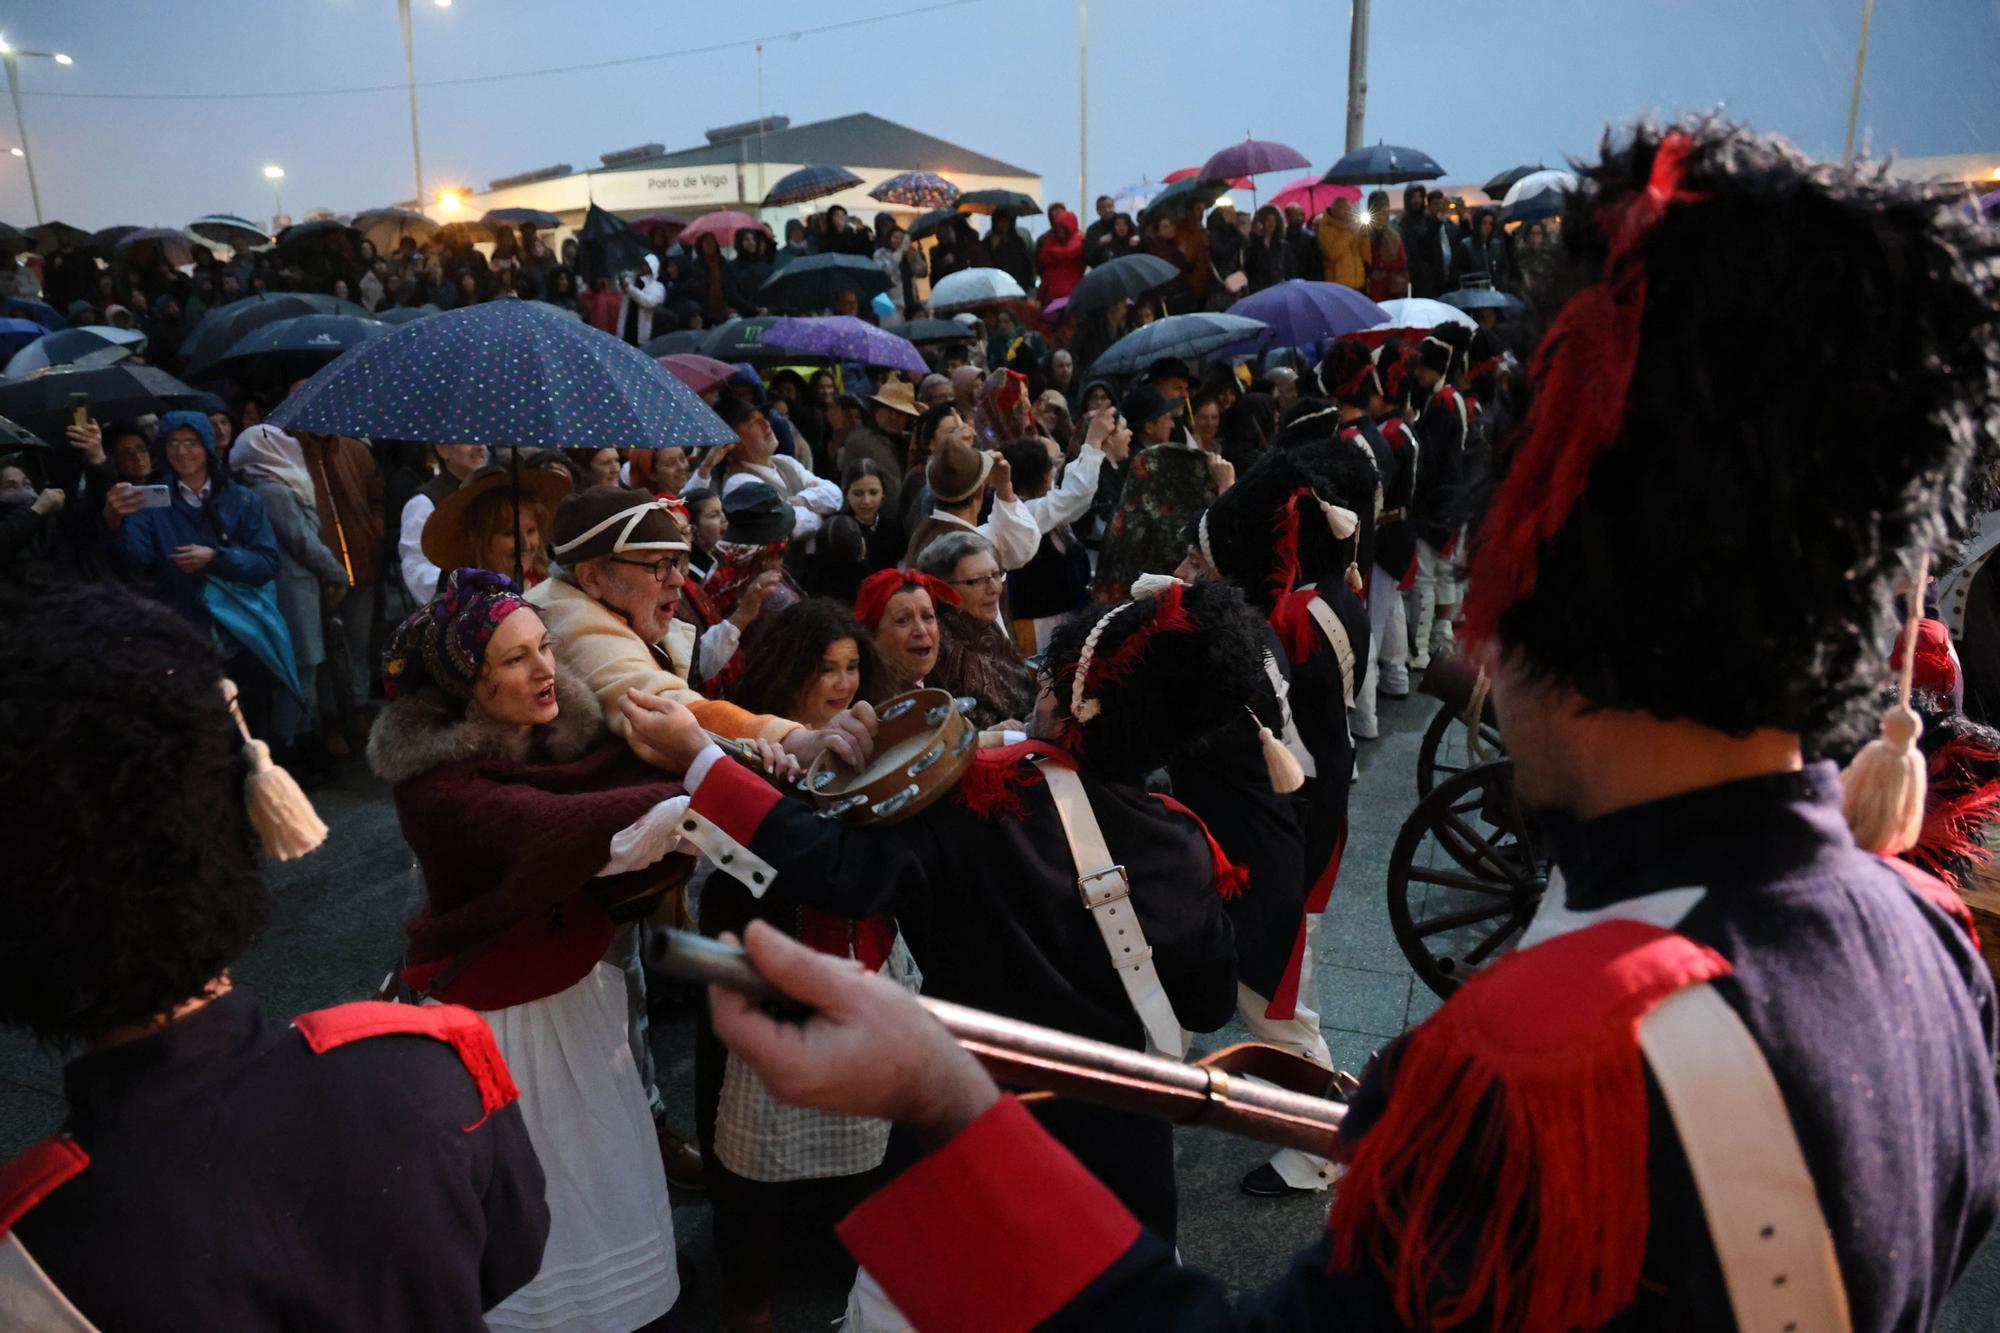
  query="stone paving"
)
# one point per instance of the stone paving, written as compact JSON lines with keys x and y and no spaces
{"x":336,"y":928}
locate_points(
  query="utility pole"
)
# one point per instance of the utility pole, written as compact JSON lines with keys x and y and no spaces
{"x":1860,"y":61}
{"x":760,"y":122}
{"x":1083,"y":107}
{"x":21,"y":129}
{"x":410,"y":68}
{"x":1357,"y":71}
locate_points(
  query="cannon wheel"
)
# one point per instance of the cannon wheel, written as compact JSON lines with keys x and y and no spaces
{"x":1445,"y":750}
{"x":1465,"y":876}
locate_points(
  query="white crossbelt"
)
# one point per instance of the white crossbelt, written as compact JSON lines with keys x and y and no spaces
{"x":29,"y":1300}
{"x":1107,"y":894}
{"x":1343,"y":646}
{"x":1763,"y":1214}
{"x":1290,"y":731}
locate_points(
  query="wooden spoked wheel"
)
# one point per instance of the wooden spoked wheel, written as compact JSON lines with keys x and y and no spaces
{"x":1447,"y":748}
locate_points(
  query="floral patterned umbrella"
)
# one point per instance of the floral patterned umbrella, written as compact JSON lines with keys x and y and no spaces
{"x":916,"y":189}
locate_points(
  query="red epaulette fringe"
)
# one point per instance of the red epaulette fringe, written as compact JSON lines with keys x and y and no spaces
{"x":458,"y":1027}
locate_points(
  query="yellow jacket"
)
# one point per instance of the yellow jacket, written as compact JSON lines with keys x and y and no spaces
{"x":1344,"y":252}
{"x":600,"y":650}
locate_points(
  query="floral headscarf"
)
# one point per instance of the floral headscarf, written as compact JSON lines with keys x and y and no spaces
{"x":444,"y":643}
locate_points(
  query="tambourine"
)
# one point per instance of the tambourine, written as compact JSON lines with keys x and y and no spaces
{"x":923,"y":742}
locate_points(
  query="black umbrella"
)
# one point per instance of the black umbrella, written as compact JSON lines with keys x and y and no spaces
{"x":606,"y":245}
{"x":680,"y":340}
{"x":813,"y":283}
{"x":926,"y":331}
{"x":319,"y":235}
{"x":403,"y":314}
{"x":1190,"y":194}
{"x":1382,"y":164}
{"x":1497,"y":187}
{"x":13,"y":240}
{"x":53,"y":236}
{"x":297,"y":347}
{"x":742,"y":340}
{"x":103,"y":239}
{"x":143,"y":244}
{"x":1012,"y":202}
{"x":41,"y":402}
{"x":521,"y":217}
{"x":221,"y":327}
{"x":931,"y":221}
{"x":1126,"y":278}
{"x":809,"y":183}
{"x":230,"y":230}
{"x":13,"y":437}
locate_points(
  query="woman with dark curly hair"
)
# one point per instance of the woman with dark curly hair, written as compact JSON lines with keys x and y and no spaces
{"x":280,"y":1162}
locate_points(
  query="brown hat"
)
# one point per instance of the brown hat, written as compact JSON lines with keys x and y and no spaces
{"x":448,"y":539}
{"x":956,"y":471}
{"x":899,"y":395}
{"x":606,"y":520}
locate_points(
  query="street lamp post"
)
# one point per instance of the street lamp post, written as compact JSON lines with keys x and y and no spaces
{"x":276,"y":174}
{"x":12,"y":59}
{"x":410,"y":70}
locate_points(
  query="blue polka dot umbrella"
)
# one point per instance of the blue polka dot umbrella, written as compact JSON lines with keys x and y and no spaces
{"x":510,"y":373}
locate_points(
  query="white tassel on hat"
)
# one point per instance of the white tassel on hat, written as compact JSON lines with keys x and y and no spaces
{"x":1280,"y":763}
{"x":1883,"y":788}
{"x":286,"y":823}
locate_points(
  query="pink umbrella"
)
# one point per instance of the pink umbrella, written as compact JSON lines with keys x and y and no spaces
{"x":723,"y":226}
{"x":1309,"y":194}
{"x":1253,"y":157}
{"x":698,"y":372}
{"x":1239,"y":183}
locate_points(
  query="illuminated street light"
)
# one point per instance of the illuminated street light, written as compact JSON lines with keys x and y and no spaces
{"x":274,"y":174}
{"x":410,"y":72}
{"x":12,"y":59}
{"x":450,"y":200}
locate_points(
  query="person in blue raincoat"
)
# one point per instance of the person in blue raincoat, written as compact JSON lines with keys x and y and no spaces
{"x":210,"y":555}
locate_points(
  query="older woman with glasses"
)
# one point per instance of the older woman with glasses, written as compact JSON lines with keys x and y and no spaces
{"x":976,"y":655}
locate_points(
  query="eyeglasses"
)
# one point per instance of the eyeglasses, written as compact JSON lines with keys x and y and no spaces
{"x":660,"y":568}
{"x":993,"y":580}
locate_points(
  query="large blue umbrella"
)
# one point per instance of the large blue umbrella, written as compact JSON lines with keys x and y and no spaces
{"x":813,"y":283}
{"x":221,"y":328}
{"x":16,"y":334}
{"x":303,"y":343}
{"x":503,"y":373}
{"x":808,"y":183}
{"x":1187,"y":336}
{"x":1297,"y":313}
{"x":21,"y":307}
{"x":1382,"y":164}
{"x":92,"y":345}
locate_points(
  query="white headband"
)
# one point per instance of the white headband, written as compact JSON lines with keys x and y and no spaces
{"x":1144,"y":589}
{"x":633,"y":518}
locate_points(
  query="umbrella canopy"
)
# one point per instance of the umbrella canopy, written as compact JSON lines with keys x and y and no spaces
{"x":18,"y":333}
{"x":104,"y":238}
{"x":813,"y":283}
{"x":1382,"y":164}
{"x":1313,"y":196}
{"x":1540,"y":194}
{"x":85,"y":348}
{"x":671,"y":344}
{"x":1298,"y":313}
{"x":916,"y":189}
{"x":845,"y":338}
{"x":521,"y":217}
{"x":1188,"y":336}
{"x":221,"y":327}
{"x":142,"y":244}
{"x":971,"y":286}
{"x":698,"y":372}
{"x":302,"y":344}
{"x":1132,"y":198}
{"x":404,"y":314}
{"x":322,"y":236}
{"x":924,"y":332}
{"x":722,"y":226}
{"x":385,"y":228}
{"x":1011,"y":202}
{"x":743,"y":340}
{"x":14,"y":241}
{"x":1989,"y":205}
{"x":53,"y":236}
{"x":503,"y":373}
{"x":21,"y":307}
{"x":1483,"y":298}
{"x":1179,"y":174}
{"x":606,"y":245}
{"x":672,"y":223}
{"x":41,"y":402}
{"x":13,"y":437}
{"x":808,"y":183}
{"x":1253,"y":157}
{"x":1497,"y":187}
{"x":230,"y":230}
{"x":1126,"y":278}
{"x":1183,"y":196}
{"x":931,"y":221}
{"x":1418,"y":312}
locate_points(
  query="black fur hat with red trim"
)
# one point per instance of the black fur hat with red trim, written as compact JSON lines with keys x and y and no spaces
{"x":1164,"y":672}
{"x":1961,"y":793}
{"x":1674,"y":537}
{"x":1392,"y":365}
{"x":1266,"y":531}
{"x":1348,"y":374}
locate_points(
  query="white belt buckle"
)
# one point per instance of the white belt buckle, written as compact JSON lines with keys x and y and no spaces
{"x":1119,"y":886}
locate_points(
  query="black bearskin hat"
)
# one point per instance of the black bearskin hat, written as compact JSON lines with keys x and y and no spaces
{"x":1348,"y":374}
{"x":1443,"y":348}
{"x":1393,"y":367}
{"x":1723,"y":547}
{"x":132,"y":875}
{"x":1266,"y":534}
{"x":1164,"y":672}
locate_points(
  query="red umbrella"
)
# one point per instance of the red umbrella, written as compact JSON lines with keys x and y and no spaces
{"x":1309,"y":194}
{"x":698,"y":372}
{"x":723,"y":226}
{"x":1185,"y":173}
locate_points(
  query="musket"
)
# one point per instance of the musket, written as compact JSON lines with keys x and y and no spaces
{"x":1251,"y":1090}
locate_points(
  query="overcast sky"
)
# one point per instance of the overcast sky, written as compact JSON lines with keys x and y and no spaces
{"x":1480,"y":86}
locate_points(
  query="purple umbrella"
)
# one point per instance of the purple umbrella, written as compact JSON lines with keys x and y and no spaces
{"x":1252,"y":157}
{"x":1989,"y":206}
{"x":845,"y":338}
{"x":1298,"y":313}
